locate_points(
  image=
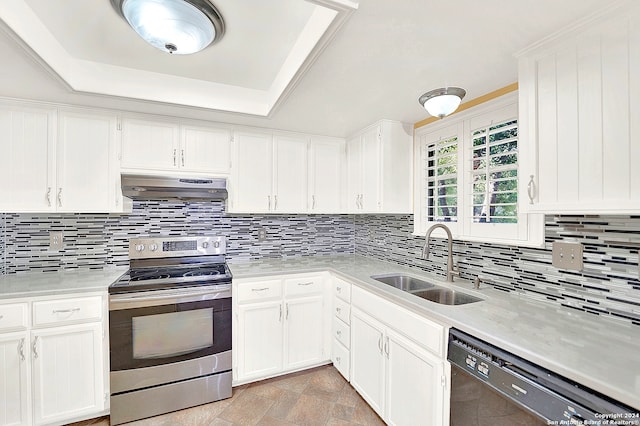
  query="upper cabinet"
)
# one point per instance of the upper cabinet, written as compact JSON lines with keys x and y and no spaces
{"x":58,"y":160}
{"x":168,"y":146}
{"x":580,"y":111}
{"x":326,"y":175}
{"x":285,"y":173}
{"x":379,"y":169}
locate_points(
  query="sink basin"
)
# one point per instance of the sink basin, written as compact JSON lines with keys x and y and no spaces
{"x":446,"y":296}
{"x":403,"y":282}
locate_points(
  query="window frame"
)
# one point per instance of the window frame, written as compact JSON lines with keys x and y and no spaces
{"x":529,"y":229}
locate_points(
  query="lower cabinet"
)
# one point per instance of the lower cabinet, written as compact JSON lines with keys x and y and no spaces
{"x":280,"y":326}
{"x":402,"y":380}
{"x":53,"y":370}
{"x":67,"y":372}
{"x":14,"y":408}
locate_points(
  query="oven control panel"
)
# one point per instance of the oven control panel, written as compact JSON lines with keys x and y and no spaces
{"x":149,"y":248}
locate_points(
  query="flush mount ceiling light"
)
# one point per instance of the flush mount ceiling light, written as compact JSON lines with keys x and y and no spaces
{"x":442,"y":102}
{"x":173,"y":26}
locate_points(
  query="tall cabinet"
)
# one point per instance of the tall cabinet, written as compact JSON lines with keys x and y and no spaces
{"x":380,"y":169}
{"x":579,"y":106}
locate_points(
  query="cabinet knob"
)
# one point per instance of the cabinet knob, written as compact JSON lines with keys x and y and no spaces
{"x":338,"y":310}
{"x":339,"y":333}
{"x":339,"y":289}
{"x":338,"y":359}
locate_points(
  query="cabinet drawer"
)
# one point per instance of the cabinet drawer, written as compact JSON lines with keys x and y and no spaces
{"x":259,"y":291}
{"x":341,"y":332}
{"x":67,"y":310}
{"x":342,"y":310}
{"x":340,"y":358}
{"x":13,"y":317}
{"x":342,"y":290}
{"x":303,"y":286}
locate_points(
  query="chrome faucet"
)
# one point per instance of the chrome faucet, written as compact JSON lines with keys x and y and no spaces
{"x":451,"y":269}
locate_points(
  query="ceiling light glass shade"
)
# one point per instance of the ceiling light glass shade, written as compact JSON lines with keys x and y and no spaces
{"x":442,"y":102}
{"x":173,"y":26}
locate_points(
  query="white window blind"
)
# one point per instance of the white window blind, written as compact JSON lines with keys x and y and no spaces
{"x":441,"y":180}
{"x":494,"y":173}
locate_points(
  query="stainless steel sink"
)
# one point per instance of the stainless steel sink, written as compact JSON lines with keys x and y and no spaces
{"x":403,"y":282}
{"x":446,"y":296}
{"x":426,"y":290}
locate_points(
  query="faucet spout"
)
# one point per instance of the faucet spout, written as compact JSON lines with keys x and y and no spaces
{"x":451,"y":268}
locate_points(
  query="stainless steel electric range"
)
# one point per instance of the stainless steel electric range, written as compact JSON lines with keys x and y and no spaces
{"x":170,"y":327}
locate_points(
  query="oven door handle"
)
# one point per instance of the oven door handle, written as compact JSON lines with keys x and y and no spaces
{"x":149,"y":298}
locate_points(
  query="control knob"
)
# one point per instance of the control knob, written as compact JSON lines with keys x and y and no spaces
{"x":216,"y":244}
{"x":205,"y":244}
{"x":153,"y":247}
{"x":139,"y":247}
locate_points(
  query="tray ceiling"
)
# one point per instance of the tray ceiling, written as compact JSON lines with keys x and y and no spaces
{"x":267,"y":46}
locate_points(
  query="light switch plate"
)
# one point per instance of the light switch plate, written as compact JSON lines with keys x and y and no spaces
{"x":262,"y":234}
{"x":56,"y":240}
{"x":566,"y":255}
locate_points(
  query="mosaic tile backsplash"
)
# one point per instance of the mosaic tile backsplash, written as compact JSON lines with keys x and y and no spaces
{"x":101,"y":240}
{"x":607,"y":285}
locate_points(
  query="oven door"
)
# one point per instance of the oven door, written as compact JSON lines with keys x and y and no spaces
{"x":155,"y":328}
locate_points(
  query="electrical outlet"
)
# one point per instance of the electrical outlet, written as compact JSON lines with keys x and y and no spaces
{"x":566,"y":255}
{"x":56,"y":240}
{"x":262,"y":234}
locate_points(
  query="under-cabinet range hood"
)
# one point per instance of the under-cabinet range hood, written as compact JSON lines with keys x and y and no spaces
{"x":149,"y":187}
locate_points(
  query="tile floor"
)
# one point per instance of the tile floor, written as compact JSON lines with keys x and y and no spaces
{"x":319,"y":396}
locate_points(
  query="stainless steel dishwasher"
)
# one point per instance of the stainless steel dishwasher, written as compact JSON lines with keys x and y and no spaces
{"x":490,"y":386}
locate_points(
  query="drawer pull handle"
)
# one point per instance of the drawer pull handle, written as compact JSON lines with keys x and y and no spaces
{"x":21,"y":349}
{"x":307,"y":283}
{"x":260,"y":289}
{"x":66,"y":311}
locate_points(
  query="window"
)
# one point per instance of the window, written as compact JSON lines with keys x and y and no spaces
{"x":495,"y":173}
{"x":467,"y":176}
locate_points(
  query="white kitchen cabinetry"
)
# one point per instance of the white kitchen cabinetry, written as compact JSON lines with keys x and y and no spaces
{"x":341,"y":330}
{"x":71,"y":169}
{"x":279,"y":325}
{"x":88,"y":175}
{"x":397,"y":361}
{"x":14,"y":408}
{"x":173,"y":147}
{"x":52,"y":356}
{"x":27,"y":163}
{"x":579,"y":104}
{"x":67,"y":372}
{"x":379,"y":169}
{"x":269,"y":173}
{"x":326,"y":175}
{"x":150,"y":145}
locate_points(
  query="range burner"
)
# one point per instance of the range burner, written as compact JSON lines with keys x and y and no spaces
{"x":174,"y":262}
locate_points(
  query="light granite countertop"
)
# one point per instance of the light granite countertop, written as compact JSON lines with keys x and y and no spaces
{"x":600,"y":353}
{"x":57,"y":283}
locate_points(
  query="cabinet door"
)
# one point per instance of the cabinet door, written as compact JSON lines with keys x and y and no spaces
{"x":151,"y":145}
{"x":250,"y":188}
{"x":13,"y":380}
{"x":325,"y":176}
{"x":354,"y":174}
{"x":27,"y":161}
{"x":205,"y":149}
{"x":85,"y":157}
{"x":371,"y":169}
{"x":367,"y":360}
{"x":290,"y":174}
{"x":260,"y":340}
{"x":304,"y":324}
{"x":68,"y":371}
{"x":415,"y":383}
